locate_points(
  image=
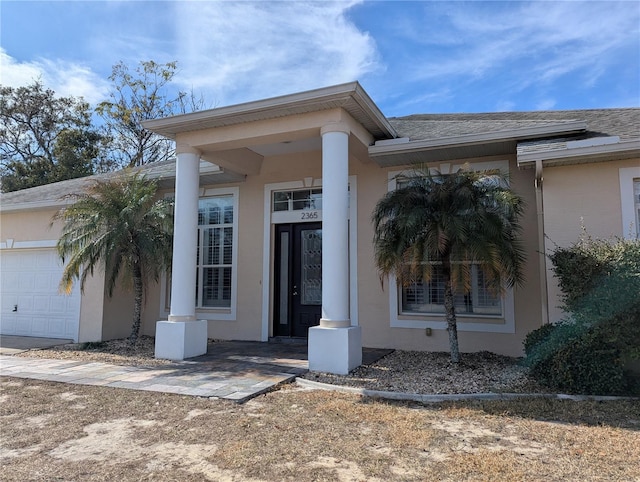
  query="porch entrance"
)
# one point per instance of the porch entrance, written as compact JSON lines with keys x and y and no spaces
{"x":297,"y":278}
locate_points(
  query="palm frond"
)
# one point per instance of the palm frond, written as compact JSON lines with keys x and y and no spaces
{"x":117,"y":226}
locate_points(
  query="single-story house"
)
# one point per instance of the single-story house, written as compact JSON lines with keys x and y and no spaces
{"x":273,"y":232}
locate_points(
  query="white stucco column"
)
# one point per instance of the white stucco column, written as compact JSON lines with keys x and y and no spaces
{"x":335,"y":346}
{"x":182,"y":336}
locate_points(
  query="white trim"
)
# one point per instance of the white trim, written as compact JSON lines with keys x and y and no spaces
{"x":223,"y":314}
{"x":435,"y":321}
{"x":475,"y":139}
{"x":627,"y":205}
{"x":568,"y":153}
{"x":45,"y":243}
{"x":269,"y":220}
{"x":34,"y":205}
{"x":300,"y":216}
{"x":350,"y":96}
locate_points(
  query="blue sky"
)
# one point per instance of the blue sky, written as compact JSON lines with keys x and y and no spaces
{"x":411,"y":57}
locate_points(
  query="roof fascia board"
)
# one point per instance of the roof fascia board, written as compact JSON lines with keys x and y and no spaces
{"x":276,"y":106}
{"x":568,"y":154}
{"x":482,"y":138}
{"x":362,"y":98}
{"x":34,"y":206}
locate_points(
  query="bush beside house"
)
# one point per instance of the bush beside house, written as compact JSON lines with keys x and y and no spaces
{"x":596,"y":349}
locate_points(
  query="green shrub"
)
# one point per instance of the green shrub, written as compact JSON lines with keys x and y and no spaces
{"x":586,"y":364}
{"x":537,"y":336}
{"x":588,"y":351}
{"x":598,"y":276}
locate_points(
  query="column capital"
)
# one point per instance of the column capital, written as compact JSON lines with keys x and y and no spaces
{"x":335,"y":127}
{"x":186,"y":149}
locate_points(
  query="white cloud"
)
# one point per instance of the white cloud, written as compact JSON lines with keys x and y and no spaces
{"x":63,"y":77}
{"x":535,"y":43}
{"x":239,"y":51}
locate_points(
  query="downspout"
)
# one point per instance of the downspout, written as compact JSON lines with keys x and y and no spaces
{"x":542,"y":255}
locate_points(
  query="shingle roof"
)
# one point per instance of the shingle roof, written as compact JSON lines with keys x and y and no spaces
{"x":624,"y":123}
{"x":53,"y":192}
{"x":163,"y":172}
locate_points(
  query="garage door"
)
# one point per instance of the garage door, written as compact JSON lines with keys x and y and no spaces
{"x":30,"y":302}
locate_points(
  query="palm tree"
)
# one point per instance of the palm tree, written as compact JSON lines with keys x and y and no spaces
{"x":447,"y":222}
{"x":119,"y":226}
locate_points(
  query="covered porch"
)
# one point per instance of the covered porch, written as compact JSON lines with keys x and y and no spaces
{"x":339,"y":123}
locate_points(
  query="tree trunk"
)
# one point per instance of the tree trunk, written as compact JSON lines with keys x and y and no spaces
{"x":450,"y":311}
{"x":137,"y":304}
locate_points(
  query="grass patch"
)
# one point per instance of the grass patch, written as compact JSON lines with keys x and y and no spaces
{"x":53,"y":431}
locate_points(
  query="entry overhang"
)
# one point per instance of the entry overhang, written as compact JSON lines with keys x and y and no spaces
{"x":351,"y":97}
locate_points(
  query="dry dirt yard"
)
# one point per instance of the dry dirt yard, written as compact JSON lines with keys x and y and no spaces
{"x":52,"y":431}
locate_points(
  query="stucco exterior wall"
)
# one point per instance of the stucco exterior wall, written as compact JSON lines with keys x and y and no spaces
{"x":577,"y":196}
{"x":373,"y":299}
{"x":28,"y":226}
{"x":118,"y":313}
{"x":91,"y":309}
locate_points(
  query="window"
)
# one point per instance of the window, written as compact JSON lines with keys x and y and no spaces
{"x":428,"y":297}
{"x":421,"y":305}
{"x":215,"y":252}
{"x":297,"y":200}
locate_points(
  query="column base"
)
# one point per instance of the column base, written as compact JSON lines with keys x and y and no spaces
{"x":335,"y":350}
{"x":177,"y":340}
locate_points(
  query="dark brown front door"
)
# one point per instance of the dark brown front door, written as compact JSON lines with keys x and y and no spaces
{"x":298,"y":278}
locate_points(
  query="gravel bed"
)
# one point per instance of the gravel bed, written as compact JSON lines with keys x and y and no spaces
{"x":400,"y":371}
{"x":116,"y":352}
{"x":433,"y":373}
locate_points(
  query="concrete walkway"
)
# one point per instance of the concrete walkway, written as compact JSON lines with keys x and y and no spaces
{"x":234,"y":371}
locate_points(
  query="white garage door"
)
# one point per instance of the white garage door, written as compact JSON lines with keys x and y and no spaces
{"x":30,"y":302}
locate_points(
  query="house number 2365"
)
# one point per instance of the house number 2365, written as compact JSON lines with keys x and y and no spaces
{"x":309,"y":215}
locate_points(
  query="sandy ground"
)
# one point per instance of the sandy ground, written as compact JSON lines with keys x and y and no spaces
{"x":51,"y":431}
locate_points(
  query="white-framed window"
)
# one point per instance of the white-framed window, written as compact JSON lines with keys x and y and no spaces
{"x":427,"y":297}
{"x":216,"y":257}
{"x":297,"y":200}
{"x":215,"y":252}
{"x":421,"y":304}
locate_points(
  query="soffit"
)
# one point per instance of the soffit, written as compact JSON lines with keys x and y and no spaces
{"x":504,"y":142}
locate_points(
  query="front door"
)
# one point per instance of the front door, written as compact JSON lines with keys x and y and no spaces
{"x":298,"y":278}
